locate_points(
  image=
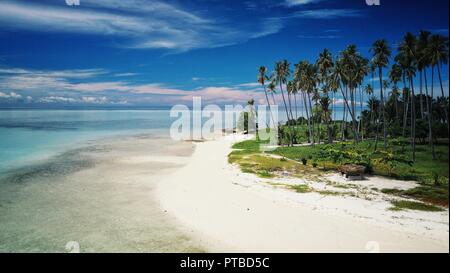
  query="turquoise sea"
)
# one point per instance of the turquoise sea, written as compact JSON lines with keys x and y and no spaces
{"x":30,"y":135}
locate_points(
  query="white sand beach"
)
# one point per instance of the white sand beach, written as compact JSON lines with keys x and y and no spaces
{"x":234,"y":212}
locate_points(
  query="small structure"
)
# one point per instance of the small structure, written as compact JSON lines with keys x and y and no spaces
{"x":353,"y":172}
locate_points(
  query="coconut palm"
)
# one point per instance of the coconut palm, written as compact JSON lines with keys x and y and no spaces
{"x":300,"y":80}
{"x":381,"y":54}
{"x":408,"y":49}
{"x":280,"y":76}
{"x":395,"y":76}
{"x":271,"y":88}
{"x":424,"y":61}
{"x":438,"y":53}
{"x":262,"y":77}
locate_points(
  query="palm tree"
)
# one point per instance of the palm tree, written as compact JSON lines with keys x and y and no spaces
{"x":310,"y":81}
{"x":395,"y":76}
{"x":262,"y":77}
{"x":408,"y":49}
{"x":302,"y":85}
{"x":381,"y":54}
{"x":352,"y":62}
{"x":324,"y":64}
{"x":395,"y":94}
{"x":326,"y":115}
{"x":271,"y":88}
{"x":281,"y":74}
{"x":438,"y":52}
{"x":423,"y":63}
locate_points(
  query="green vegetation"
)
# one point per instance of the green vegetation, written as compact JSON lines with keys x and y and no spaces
{"x":295,"y":161}
{"x":300,"y":188}
{"x":402,"y":205}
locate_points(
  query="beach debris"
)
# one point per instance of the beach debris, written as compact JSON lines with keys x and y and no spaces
{"x":352,"y":172}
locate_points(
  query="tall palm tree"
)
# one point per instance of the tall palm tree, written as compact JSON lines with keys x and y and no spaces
{"x":271,"y":88}
{"x":408,"y":49}
{"x":302,"y":84}
{"x":262,"y":77}
{"x":281,"y":74}
{"x":438,"y":52}
{"x":324,"y":64}
{"x":381,"y":54}
{"x":395,"y":76}
{"x":423,"y":63}
{"x":326,"y":115}
{"x":351,"y":60}
{"x":310,"y":81}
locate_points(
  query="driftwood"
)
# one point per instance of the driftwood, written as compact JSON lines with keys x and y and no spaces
{"x":352,"y":170}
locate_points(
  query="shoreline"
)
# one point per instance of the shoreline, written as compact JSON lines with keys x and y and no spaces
{"x":232,"y":212}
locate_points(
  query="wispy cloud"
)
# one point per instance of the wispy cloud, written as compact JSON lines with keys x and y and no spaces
{"x":69,"y":87}
{"x":139,"y":24}
{"x":319,"y":36}
{"x":292,"y":3}
{"x":328,"y":13}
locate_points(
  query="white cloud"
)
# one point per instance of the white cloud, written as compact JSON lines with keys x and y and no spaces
{"x":137,"y":23}
{"x":10,"y":96}
{"x":292,"y":3}
{"x":328,"y":13}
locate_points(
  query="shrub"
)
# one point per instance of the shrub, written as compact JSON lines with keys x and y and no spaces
{"x":314,"y":164}
{"x":304,"y":161}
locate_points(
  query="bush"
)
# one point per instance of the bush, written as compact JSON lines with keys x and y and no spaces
{"x":304,"y":161}
{"x":314,"y":164}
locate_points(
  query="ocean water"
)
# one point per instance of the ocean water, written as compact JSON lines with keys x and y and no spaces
{"x":84,"y":181}
{"x":30,"y":135}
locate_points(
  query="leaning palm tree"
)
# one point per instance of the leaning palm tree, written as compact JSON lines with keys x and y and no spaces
{"x":271,"y":88}
{"x":262,"y":77}
{"x":438,"y":52}
{"x":381,"y":54}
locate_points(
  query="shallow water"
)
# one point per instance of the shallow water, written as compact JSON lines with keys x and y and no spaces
{"x":86,"y":178}
{"x":98,"y":196}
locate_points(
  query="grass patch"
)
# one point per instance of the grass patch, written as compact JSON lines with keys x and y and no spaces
{"x":436,"y":195}
{"x":411,"y":205}
{"x":300,"y":188}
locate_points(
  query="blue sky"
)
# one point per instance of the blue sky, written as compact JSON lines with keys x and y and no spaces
{"x":158,"y":53}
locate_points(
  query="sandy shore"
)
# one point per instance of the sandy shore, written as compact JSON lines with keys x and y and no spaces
{"x":234,"y":212}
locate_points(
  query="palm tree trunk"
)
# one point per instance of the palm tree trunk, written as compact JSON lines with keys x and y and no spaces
{"x":307,"y":117}
{"x":405,"y":109}
{"x":352,"y":114}
{"x":382,"y":108}
{"x":430,"y":112}
{"x":312,"y":118}
{"x":413,"y":119}
{"x":361,"y":96}
{"x":287,"y":113}
{"x":421,"y":95}
{"x":270,"y":108}
{"x":443,"y":97}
